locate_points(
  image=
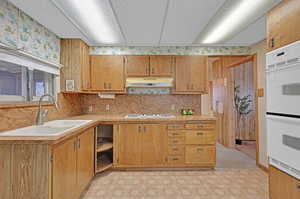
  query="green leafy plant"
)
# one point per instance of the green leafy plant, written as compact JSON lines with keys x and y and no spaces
{"x":242,"y":106}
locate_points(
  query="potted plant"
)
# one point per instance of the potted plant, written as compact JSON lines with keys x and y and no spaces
{"x":242,"y":106}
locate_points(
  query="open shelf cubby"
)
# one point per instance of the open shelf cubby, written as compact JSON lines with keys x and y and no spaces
{"x":104,"y":147}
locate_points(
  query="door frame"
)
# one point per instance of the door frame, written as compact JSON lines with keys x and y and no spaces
{"x":244,"y":59}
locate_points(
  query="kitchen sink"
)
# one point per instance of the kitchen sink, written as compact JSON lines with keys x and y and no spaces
{"x":52,"y":128}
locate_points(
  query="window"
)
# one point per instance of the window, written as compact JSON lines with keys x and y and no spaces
{"x":20,"y":84}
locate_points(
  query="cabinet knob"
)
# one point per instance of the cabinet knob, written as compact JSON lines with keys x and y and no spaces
{"x":199,"y":134}
{"x":104,"y":85}
{"x":140,"y":129}
{"x":152,"y":71}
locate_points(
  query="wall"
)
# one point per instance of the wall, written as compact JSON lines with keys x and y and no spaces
{"x":261,"y":49}
{"x":19,"y":30}
{"x":126,"y":104}
{"x":13,"y":117}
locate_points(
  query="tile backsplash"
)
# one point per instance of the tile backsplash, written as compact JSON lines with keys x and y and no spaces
{"x":125,"y":104}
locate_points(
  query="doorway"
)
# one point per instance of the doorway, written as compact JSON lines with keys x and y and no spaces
{"x":233,"y":102}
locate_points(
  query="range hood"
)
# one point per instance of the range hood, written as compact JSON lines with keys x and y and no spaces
{"x":149,"y":82}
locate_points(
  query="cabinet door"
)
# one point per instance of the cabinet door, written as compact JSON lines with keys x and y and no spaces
{"x":154,"y":144}
{"x":282,"y":185}
{"x":85,"y":158}
{"x":183,"y":73}
{"x":161,"y":65}
{"x":137,"y":65}
{"x":85,"y":67}
{"x":199,"y":74}
{"x":282,"y":24}
{"x":107,"y":73}
{"x":129,"y":144}
{"x":64,"y":178}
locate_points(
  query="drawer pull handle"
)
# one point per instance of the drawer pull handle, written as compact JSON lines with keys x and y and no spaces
{"x":175,"y":134}
{"x":199,"y":134}
{"x":174,"y":158}
{"x":175,"y":141}
{"x":200,"y":126}
{"x":175,"y":149}
{"x":199,"y":150}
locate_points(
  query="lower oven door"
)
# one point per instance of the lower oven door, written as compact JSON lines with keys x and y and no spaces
{"x":284,"y":144}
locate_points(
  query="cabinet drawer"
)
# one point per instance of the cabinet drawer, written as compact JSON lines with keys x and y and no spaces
{"x":175,"y":159}
{"x":176,"y":150}
{"x":200,"y":137}
{"x":176,"y":133}
{"x":175,"y":141}
{"x":200,"y":154}
{"x":175,"y":126}
{"x":207,"y":125}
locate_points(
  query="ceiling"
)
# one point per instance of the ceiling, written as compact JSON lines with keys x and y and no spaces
{"x":142,"y":22}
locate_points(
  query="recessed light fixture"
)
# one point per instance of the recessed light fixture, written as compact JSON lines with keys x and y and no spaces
{"x":234,"y":16}
{"x":94,"y":16}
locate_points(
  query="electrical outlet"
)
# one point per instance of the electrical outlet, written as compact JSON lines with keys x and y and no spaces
{"x":107,"y":107}
{"x":173,"y":107}
{"x":90,"y":109}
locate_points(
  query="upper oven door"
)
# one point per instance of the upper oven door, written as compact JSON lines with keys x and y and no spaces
{"x":283,"y":90}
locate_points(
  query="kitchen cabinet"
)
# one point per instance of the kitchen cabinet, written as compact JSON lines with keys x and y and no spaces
{"x":165,"y":145}
{"x":64,"y":170}
{"x":76,"y":64}
{"x":282,"y":185}
{"x":137,"y":65}
{"x":45,"y":170}
{"x":191,"y":74}
{"x":140,"y":145}
{"x":145,"y":65}
{"x":73,"y":165}
{"x":129,"y":144}
{"x":283,"y":24}
{"x":107,"y":73}
{"x":161,"y":65}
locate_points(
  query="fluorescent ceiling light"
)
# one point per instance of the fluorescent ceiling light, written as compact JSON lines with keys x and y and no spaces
{"x":93,"y":16}
{"x":234,"y":16}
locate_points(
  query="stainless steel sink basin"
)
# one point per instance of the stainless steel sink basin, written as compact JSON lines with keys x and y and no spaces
{"x":52,"y":128}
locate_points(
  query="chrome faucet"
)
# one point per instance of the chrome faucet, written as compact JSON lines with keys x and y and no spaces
{"x":43,"y":113}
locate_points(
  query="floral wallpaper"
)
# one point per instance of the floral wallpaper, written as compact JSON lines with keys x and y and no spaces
{"x":19,"y":30}
{"x":170,"y":50}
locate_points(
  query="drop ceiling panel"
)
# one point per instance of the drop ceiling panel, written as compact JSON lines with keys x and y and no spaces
{"x":140,"y":20}
{"x":186,"y":19}
{"x":252,"y":34}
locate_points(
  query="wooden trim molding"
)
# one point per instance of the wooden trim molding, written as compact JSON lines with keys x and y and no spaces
{"x":262,"y":167}
{"x":24,"y":105}
{"x":241,"y":61}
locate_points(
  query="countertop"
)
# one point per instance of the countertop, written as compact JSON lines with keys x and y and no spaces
{"x":101,"y":119}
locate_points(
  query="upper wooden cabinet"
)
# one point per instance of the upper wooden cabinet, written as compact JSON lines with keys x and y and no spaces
{"x":283,"y":24}
{"x":107,"y":73}
{"x":76,"y":64}
{"x":145,"y":65}
{"x":191,"y":74}
{"x":161,"y":65}
{"x":137,"y":65}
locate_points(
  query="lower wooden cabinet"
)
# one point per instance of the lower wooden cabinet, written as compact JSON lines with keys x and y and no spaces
{"x":73,"y":166}
{"x":165,"y":145}
{"x":140,"y":145}
{"x":282,"y":185}
{"x":45,"y":171}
